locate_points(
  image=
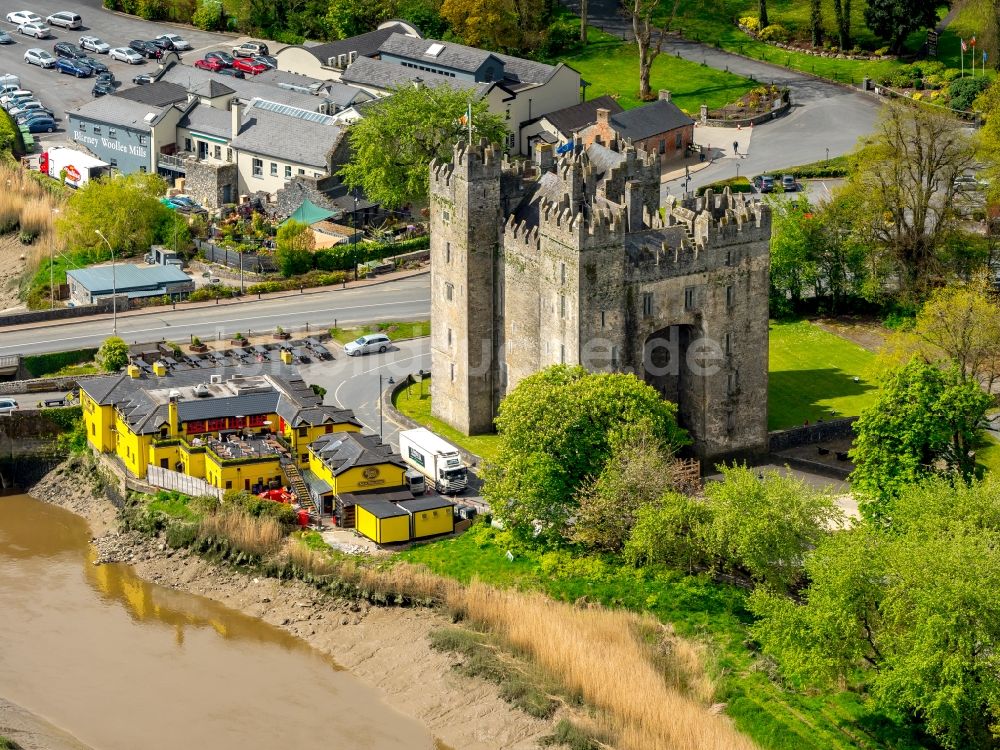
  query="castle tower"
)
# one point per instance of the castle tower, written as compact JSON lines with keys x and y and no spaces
{"x":465,"y":214}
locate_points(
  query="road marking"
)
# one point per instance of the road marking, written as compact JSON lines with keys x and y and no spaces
{"x":195,"y":323}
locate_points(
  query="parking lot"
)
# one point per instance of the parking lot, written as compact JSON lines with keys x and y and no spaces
{"x":61,"y":92}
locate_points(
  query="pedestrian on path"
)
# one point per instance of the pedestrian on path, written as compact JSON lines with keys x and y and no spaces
{"x":736,"y":148}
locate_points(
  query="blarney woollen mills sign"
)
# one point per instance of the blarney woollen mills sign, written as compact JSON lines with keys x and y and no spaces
{"x":125,"y":148}
{"x":128,"y":150}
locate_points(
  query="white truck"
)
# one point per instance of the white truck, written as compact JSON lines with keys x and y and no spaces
{"x":80,"y":168}
{"x":436,"y":459}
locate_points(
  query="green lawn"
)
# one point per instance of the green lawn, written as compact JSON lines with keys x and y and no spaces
{"x":415,"y":402}
{"x":612,"y":67}
{"x":407,"y":330}
{"x":812,"y":376}
{"x":778,"y":719}
{"x":973,"y":19}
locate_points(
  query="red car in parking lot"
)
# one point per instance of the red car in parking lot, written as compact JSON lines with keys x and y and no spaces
{"x":249,"y":66}
{"x":210,"y":64}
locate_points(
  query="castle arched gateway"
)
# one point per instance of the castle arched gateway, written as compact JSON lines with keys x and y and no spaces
{"x":578,"y":261}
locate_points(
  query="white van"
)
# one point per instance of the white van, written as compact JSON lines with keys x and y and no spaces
{"x":7,"y":405}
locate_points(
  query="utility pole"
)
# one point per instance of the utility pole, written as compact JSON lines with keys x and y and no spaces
{"x":114,"y":286}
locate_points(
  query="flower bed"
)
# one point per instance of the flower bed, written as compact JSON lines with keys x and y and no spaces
{"x":777,"y":36}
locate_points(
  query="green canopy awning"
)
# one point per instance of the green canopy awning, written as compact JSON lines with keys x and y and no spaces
{"x":309,"y":213}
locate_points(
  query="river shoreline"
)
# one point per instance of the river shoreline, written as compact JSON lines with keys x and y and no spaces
{"x":32,"y":732}
{"x":387,"y":648}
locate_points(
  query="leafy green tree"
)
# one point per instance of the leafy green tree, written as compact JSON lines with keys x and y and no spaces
{"x":557,"y":430}
{"x":902,"y":189}
{"x":765,"y":523}
{"x":915,"y":605}
{"x":924,"y":421}
{"x":638,"y":473}
{"x":347,"y":18}
{"x":893,"y":20}
{"x":670,"y":532}
{"x":816,"y":22}
{"x":293,"y":248}
{"x":126,"y":209}
{"x":113,"y":354}
{"x":963,"y":92}
{"x":392,"y":147}
{"x":842,"y":17}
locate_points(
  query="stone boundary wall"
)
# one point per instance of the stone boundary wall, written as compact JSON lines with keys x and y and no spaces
{"x":37,"y":385}
{"x":813,"y":467}
{"x":821,"y":432}
{"x":60,"y":313}
{"x":774,"y":114}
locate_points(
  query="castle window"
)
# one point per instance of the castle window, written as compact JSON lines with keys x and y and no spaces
{"x":562,"y":273}
{"x":730,"y":297}
{"x":447,"y":252}
{"x":729,"y":257}
{"x":730,"y":420}
{"x":562,"y":305}
{"x":602,"y":318}
{"x":453,"y":373}
{"x":734,"y":382}
{"x":449,"y":291}
{"x":614,"y":356}
{"x":446,"y":216}
{"x":689,"y":298}
{"x":728,"y":343}
{"x":647,"y":304}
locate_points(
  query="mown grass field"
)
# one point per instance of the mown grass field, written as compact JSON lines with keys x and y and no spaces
{"x":776,"y":718}
{"x":405,"y":330}
{"x":612,"y":67}
{"x":812,"y":376}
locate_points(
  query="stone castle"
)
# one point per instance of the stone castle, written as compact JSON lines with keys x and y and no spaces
{"x":577,"y":260}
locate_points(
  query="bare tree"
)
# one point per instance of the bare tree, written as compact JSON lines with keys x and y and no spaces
{"x":648,"y":37}
{"x":583,"y":21}
{"x":905,"y":176}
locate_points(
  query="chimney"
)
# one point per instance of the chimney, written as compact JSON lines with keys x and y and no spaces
{"x":236,"y":110}
{"x":544,"y":158}
{"x":603,"y":115}
{"x":664,"y":95}
{"x":172,"y":419}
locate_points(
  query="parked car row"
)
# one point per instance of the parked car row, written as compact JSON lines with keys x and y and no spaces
{"x":31,"y":24}
{"x":26,"y":110}
{"x":767,"y":183}
{"x":250,"y":57}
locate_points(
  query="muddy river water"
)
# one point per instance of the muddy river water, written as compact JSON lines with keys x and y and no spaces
{"x":123,"y":664}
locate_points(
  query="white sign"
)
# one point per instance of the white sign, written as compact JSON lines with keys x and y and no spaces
{"x":125,"y":148}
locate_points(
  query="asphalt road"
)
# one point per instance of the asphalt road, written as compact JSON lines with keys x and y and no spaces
{"x":60,"y":92}
{"x":406,"y":299}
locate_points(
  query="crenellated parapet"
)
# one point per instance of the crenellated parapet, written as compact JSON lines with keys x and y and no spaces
{"x":472,"y":162}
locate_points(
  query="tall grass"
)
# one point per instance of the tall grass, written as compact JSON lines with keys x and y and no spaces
{"x":11,"y":204}
{"x":605,"y":657}
{"x":253,"y":536}
{"x":36,"y":217}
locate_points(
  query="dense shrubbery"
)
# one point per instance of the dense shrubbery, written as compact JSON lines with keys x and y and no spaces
{"x":259,"y":507}
{"x":40,"y":365}
{"x":965,"y":91}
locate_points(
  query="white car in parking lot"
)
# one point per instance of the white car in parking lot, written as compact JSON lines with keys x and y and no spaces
{"x":66,"y":19}
{"x":94,"y":44}
{"x":127,"y":55}
{"x":7,"y":405}
{"x":23,"y":16}
{"x":38,"y":30}
{"x":375,"y":342}
{"x":38,"y":56}
{"x":177,"y":42}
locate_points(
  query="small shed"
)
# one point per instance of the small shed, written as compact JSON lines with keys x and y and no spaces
{"x":430,"y":515}
{"x":381,"y":521}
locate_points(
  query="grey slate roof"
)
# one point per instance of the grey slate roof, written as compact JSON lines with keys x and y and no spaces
{"x":267,"y":133}
{"x":210,"y":89}
{"x":119,"y":111}
{"x":570,"y":119}
{"x":158,"y":93}
{"x":383,"y":75}
{"x":341,"y":451}
{"x":242,"y":405}
{"x":469,"y":59}
{"x":208,"y":120}
{"x":419,"y":504}
{"x":125,"y":276}
{"x":365,"y":45}
{"x":649,"y":120}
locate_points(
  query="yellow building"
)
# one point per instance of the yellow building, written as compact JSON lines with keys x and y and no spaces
{"x":351,"y":462}
{"x":382,"y":522}
{"x":429,"y":515}
{"x":172,"y":418}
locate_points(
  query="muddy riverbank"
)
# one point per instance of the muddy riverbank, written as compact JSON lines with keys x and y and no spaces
{"x":387,"y":648}
{"x":32,"y":732}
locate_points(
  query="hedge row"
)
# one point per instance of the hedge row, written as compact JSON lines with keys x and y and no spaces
{"x":345,"y":256}
{"x":40,"y":365}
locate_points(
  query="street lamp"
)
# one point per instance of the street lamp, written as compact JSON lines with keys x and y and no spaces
{"x":354,"y":234}
{"x":737,"y":170}
{"x":52,"y":259}
{"x":114,"y":285}
{"x":381,"y":393}
{"x":828,"y":154}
